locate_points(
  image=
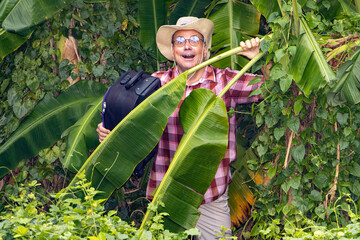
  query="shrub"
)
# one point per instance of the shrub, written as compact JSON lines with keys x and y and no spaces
{"x":69,"y":217}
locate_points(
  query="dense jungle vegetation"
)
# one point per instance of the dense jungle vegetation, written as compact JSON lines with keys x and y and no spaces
{"x":298,"y":171}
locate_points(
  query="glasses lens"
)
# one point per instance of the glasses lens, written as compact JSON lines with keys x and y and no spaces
{"x":179,"y":41}
{"x":194,"y":40}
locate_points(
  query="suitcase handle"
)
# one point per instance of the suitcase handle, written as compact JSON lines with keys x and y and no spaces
{"x":134,"y":79}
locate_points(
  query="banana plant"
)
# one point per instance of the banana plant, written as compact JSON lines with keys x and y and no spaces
{"x":152,"y":14}
{"x":267,"y":7}
{"x":233,"y":21}
{"x":338,"y":8}
{"x":348,"y":81}
{"x":19,"y":18}
{"x":81,"y":137}
{"x":203,"y":117}
{"x":309,"y":67}
{"x":47,"y":122}
{"x":114,"y":160}
{"x":26,"y":14}
{"x":188,"y":8}
{"x":9,"y":42}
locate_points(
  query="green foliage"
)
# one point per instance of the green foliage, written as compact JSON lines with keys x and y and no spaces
{"x":320,"y":160}
{"x":106,"y":44}
{"x":308,"y":148}
{"x":28,"y":217}
{"x":106,"y":32}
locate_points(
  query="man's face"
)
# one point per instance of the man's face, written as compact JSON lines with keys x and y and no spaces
{"x":188,"y":56}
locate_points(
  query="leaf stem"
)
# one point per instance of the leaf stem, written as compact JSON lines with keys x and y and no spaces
{"x":240,"y":73}
{"x":215,"y":59}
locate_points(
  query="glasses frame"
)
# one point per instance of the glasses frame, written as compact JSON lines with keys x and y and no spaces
{"x":189,"y":40}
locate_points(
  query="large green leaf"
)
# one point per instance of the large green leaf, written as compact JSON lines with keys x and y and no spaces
{"x":9,"y":42}
{"x":28,"y":13}
{"x":152,"y":14}
{"x":82,"y":137}
{"x":45,"y":124}
{"x":267,"y":7}
{"x":5,"y":8}
{"x":348,"y":85}
{"x":194,"y":8}
{"x":232,"y":21}
{"x":337,"y":9}
{"x":203,"y":117}
{"x":309,"y":67}
{"x":114,"y":160}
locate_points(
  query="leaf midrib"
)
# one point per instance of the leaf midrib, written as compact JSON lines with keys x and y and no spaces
{"x":30,"y":127}
{"x":182,"y":146}
{"x":80,"y":130}
{"x":314,"y":46}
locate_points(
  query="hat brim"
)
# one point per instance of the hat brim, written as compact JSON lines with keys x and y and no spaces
{"x":165,"y":33}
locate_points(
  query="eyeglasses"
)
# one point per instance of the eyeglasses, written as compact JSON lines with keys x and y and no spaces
{"x":194,"y":41}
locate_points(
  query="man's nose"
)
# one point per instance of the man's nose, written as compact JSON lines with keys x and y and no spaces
{"x":187,"y":44}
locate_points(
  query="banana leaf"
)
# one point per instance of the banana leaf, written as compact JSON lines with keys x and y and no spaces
{"x":337,"y":9}
{"x":267,"y":7}
{"x":44,"y":126}
{"x":348,"y":85}
{"x":152,"y":14}
{"x":194,"y":8}
{"x":114,"y":160}
{"x":26,"y":14}
{"x":309,"y":67}
{"x":241,"y":197}
{"x":203,"y":117}
{"x":233,"y":21}
{"x":82,"y":136}
{"x":9,"y":42}
{"x":5,"y":7}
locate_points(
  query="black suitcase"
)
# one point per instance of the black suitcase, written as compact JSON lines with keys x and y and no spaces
{"x":123,"y":96}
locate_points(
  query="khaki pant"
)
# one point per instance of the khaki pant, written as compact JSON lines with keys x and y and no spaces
{"x":214,"y":215}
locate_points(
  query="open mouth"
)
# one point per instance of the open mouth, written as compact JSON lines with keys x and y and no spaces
{"x":188,"y":56}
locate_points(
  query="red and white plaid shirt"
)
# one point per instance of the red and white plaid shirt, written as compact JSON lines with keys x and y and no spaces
{"x":214,"y":79}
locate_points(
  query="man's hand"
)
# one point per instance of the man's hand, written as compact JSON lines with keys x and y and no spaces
{"x":102,"y":132}
{"x":251,"y":48}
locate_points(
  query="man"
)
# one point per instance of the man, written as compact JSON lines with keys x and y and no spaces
{"x":187,"y":43}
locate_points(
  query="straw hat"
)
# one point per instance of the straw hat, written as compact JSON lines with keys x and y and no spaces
{"x":165,"y":33}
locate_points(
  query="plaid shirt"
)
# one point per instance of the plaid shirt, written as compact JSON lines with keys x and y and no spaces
{"x":214,"y":79}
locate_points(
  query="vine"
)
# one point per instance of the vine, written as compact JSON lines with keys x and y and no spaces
{"x":308,"y":147}
{"x":106,"y":45}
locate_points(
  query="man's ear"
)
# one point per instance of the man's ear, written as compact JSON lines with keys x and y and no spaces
{"x":205,"y":52}
{"x":172,"y":52}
